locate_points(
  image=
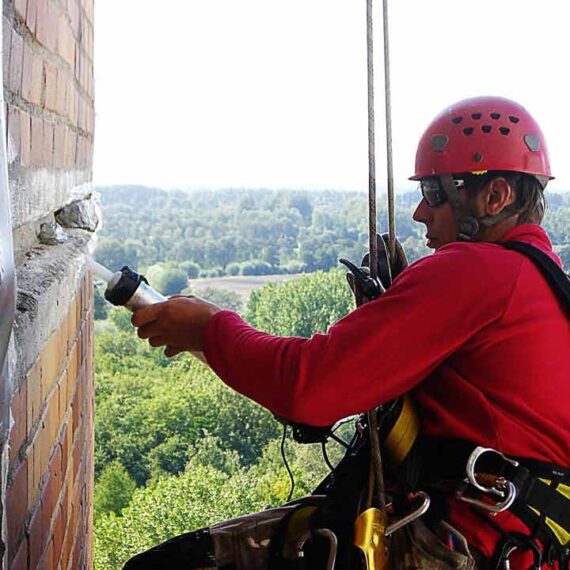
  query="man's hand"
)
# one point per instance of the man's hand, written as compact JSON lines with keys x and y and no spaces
{"x":178,"y":323}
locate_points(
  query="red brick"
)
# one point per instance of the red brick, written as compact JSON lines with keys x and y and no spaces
{"x":25,"y":139}
{"x":62,"y":394}
{"x":64,"y":442}
{"x":48,"y":145}
{"x":77,"y":552}
{"x":50,"y":86}
{"x":16,"y":61}
{"x":59,"y":146}
{"x":41,"y":21}
{"x":31,"y":15}
{"x":46,"y":24}
{"x":72,"y":103}
{"x":17,"y":505}
{"x":58,"y":537}
{"x":33,"y":380}
{"x":52,"y":359}
{"x":52,"y":490}
{"x":47,"y":557}
{"x":35,"y":541}
{"x":75,"y":513}
{"x":42,"y":451}
{"x":20,"y":7}
{"x":20,"y":413}
{"x":37,"y":79}
{"x":32,"y":486}
{"x":27,"y":72}
{"x":37,"y":142}
{"x":61,"y":95}
{"x":52,"y":27}
{"x":66,"y":42}
{"x":89,"y":9}
{"x":52,"y":419}
{"x":67,"y":547}
{"x":70,"y":148}
{"x":6,"y":44}
{"x":73,"y":11}
{"x":14,"y":126}
{"x":21,"y":560}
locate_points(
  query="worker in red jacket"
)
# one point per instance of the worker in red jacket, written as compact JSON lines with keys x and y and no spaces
{"x":473,"y":331}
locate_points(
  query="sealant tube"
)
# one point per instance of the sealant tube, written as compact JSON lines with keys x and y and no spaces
{"x":127,"y":288}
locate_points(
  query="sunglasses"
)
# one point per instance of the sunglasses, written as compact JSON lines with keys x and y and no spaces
{"x":433,"y":192}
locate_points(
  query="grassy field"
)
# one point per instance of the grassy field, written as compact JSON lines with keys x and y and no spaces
{"x":241,"y":284}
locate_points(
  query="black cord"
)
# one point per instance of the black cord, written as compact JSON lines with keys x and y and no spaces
{"x":326,"y":457}
{"x":339,"y":441}
{"x":286,"y":463}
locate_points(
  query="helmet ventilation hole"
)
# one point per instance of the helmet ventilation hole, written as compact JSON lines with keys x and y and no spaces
{"x":486,"y":128}
{"x":476,"y":116}
{"x":468,"y":131}
{"x":513,"y":119}
{"x":504,"y":130}
{"x":495,"y":116}
{"x":456,"y":120}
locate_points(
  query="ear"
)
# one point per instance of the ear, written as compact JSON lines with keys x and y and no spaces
{"x":495,"y":196}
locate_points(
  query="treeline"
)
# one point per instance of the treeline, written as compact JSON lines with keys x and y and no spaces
{"x":241,"y":232}
{"x":178,"y":235}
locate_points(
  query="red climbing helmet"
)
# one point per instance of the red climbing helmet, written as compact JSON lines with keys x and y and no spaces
{"x":481,"y":134}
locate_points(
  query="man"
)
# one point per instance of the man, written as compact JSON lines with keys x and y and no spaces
{"x":473,"y":331}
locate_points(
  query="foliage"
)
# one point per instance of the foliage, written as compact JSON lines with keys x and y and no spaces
{"x":203,"y":495}
{"x":121,"y":318}
{"x":101,"y":306}
{"x":224,"y":298}
{"x":115,"y":489}
{"x":218,"y":231}
{"x":250,"y":232}
{"x":167,"y":278}
{"x":190,"y":268}
{"x":151,"y":411}
{"x":300,"y":307}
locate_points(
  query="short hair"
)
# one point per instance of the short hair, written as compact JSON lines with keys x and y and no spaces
{"x":530,"y":203}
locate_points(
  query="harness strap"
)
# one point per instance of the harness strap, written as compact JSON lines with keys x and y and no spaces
{"x":557,"y":279}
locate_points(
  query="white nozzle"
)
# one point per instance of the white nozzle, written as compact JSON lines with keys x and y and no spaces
{"x":99,"y":270}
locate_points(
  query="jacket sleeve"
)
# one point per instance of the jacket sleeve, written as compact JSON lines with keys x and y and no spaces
{"x":374,"y":354}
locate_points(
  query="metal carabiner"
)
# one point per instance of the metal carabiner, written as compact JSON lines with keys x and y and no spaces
{"x":493,"y":508}
{"x":519,"y":542}
{"x":471,"y":476}
{"x":390,"y":529}
{"x":326,"y":533}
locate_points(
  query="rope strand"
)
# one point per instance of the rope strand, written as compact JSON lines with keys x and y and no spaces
{"x":390,"y":173}
{"x":379,"y":495}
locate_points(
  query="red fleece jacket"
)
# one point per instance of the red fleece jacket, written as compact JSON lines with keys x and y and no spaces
{"x":473,"y":330}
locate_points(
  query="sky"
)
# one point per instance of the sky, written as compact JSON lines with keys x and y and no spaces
{"x":273,"y":93}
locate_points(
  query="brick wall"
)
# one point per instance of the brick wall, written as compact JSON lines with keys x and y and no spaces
{"x":49,"y":495}
{"x":47,"y":49}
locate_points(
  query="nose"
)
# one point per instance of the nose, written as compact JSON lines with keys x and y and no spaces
{"x":422,"y":212}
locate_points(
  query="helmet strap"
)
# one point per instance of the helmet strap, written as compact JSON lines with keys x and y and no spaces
{"x":508,"y":212}
{"x":467,"y":225}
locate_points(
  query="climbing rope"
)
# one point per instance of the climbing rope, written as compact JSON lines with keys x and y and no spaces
{"x":379,"y":493}
{"x":388,"y":106}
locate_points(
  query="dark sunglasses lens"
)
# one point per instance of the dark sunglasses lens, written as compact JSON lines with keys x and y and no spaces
{"x":432,"y":192}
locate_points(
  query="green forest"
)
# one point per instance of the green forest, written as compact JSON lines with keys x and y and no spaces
{"x":176,"y":449}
